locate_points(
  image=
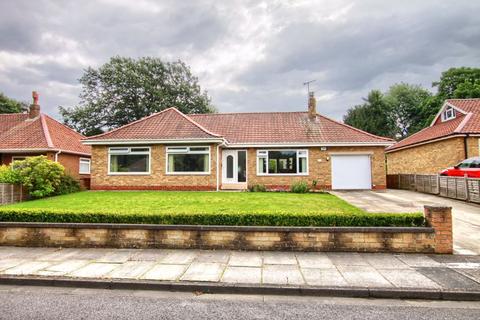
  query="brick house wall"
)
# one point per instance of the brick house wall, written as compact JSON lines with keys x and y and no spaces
{"x":156,"y":180}
{"x":319,"y":167}
{"x":431,"y":158}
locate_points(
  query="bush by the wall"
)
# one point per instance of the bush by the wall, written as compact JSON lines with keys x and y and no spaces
{"x":247,"y":219}
{"x":68,"y":184}
{"x":38,"y":175}
{"x":300,"y":187}
{"x":257,"y":188}
{"x":7,"y":175}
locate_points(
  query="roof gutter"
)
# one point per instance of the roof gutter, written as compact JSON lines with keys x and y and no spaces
{"x":150,"y":141}
{"x":455,"y":135}
{"x":316,"y":144}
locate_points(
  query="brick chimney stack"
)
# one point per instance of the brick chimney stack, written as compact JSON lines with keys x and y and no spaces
{"x":34,"y":107}
{"x":312,"y":106}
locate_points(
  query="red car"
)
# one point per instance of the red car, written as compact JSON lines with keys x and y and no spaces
{"x":469,"y":167}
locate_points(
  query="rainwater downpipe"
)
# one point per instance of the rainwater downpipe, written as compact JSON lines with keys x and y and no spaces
{"x":56,"y":155}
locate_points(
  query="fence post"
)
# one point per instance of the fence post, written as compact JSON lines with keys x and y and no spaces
{"x":467,"y":191}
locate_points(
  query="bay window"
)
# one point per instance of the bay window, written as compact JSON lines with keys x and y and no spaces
{"x":188,"y":160}
{"x":129,"y":160}
{"x":282,"y":162}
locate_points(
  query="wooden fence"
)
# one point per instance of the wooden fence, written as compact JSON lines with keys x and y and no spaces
{"x":10,"y":193}
{"x":460,"y":188}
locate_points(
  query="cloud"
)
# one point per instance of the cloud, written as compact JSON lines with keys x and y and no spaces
{"x":249,"y":55}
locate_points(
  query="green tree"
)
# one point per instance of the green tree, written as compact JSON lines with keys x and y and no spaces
{"x":464,"y":79}
{"x":372,"y":116}
{"x":406,"y":107}
{"x":124,"y":90}
{"x":8,"y":105}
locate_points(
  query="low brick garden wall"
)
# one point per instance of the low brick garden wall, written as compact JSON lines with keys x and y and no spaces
{"x":437,"y":238}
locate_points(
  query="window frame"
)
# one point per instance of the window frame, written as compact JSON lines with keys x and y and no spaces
{"x":116,"y":151}
{"x":446,"y":117}
{"x":168,"y":150}
{"x":16,"y":158}
{"x":89,"y":165}
{"x":265,"y":153}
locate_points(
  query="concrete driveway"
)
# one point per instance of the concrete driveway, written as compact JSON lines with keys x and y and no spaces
{"x":466,"y":216}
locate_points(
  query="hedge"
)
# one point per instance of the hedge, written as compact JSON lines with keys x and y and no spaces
{"x":244,"y":219}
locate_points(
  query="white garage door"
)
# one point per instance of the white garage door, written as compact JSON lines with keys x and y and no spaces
{"x":351,"y":172}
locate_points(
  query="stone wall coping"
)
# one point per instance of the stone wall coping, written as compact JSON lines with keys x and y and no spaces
{"x":215,"y":227}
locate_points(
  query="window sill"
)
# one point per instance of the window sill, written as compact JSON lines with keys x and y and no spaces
{"x":188,"y":173}
{"x":128,"y":173}
{"x":283,"y":174}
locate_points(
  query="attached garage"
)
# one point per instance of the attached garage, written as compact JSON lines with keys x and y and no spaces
{"x":351,"y":172}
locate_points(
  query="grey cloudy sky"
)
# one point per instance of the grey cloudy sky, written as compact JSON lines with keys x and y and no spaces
{"x":249,"y":55}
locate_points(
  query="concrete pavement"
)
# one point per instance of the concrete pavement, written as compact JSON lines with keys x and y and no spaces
{"x":466,"y":216}
{"x":24,"y":302}
{"x":285,"y":270}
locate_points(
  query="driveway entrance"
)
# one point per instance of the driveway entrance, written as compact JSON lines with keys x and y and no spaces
{"x":466,"y":216}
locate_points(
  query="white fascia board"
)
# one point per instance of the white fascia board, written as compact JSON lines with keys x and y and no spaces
{"x":445,"y":104}
{"x":301,"y":145}
{"x":147,"y":142}
{"x":429,"y":141}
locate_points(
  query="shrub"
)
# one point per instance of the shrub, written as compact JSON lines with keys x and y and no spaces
{"x":68,"y":184}
{"x":38,"y":175}
{"x":314,"y":184}
{"x":300,"y":187}
{"x":257,"y":188}
{"x":248,"y":219}
{"x":7,"y":175}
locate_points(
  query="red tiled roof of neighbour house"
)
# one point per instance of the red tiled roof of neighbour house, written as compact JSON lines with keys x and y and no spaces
{"x":19,"y":133}
{"x":168,"y":124}
{"x":462,"y":124}
{"x":241,"y":128}
{"x":283,"y":128}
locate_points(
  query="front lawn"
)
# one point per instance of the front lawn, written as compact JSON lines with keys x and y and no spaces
{"x":209,"y":208}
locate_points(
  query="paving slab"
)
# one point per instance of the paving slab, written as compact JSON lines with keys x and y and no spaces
{"x":95,"y":270}
{"x":29,"y":267}
{"x":219,"y":256}
{"x":63,"y":268}
{"x":384,"y":261}
{"x":10,"y":263}
{"x":117,"y":255}
{"x":204,"y":271}
{"x":179,"y":257}
{"x":363,"y":276}
{"x":165,"y":272}
{"x":418,"y":260}
{"x":324,"y":277}
{"x":449,"y":279}
{"x":408,"y":278}
{"x":246,"y":259}
{"x":242,"y":275}
{"x":314,"y":260}
{"x":91,"y":253}
{"x":282,"y":274}
{"x":274,"y":257}
{"x":347,"y":259}
{"x":28,"y":253}
{"x":149,"y":255}
{"x":131,"y":269}
{"x":473,"y":274}
{"x":60,"y":255}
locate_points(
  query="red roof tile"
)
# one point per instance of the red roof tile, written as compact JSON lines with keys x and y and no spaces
{"x":241,"y":128}
{"x":18,"y":132}
{"x":467,"y":121}
{"x":168,"y":124}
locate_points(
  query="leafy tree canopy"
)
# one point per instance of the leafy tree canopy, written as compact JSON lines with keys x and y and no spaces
{"x":371,"y":116}
{"x":459,"y":83}
{"x":8,"y":105}
{"x":125,"y":89}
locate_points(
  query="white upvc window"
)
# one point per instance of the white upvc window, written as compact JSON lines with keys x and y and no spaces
{"x":84,"y":166}
{"x":188,"y":160}
{"x":129,"y":160}
{"x":282,"y":162}
{"x":18,"y":158}
{"x":448,"y":113}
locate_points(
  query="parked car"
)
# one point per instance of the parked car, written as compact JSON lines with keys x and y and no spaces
{"x":469,"y":167}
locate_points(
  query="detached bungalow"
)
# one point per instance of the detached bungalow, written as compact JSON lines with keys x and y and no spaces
{"x":34,"y":133}
{"x":453,"y":136}
{"x":170,"y":150}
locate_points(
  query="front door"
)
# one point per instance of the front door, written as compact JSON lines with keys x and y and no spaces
{"x":234,"y":166}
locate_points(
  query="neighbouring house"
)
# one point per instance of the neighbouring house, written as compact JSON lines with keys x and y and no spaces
{"x":454,"y":135}
{"x":34,"y":133}
{"x":170,"y":150}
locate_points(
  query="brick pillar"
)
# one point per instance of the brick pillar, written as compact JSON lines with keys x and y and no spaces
{"x":440,"y":219}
